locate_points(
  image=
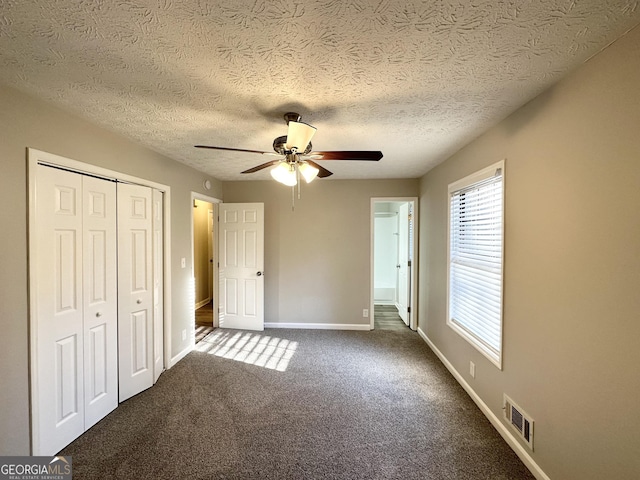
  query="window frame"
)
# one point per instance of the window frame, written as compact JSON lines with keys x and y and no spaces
{"x":453,"y":188}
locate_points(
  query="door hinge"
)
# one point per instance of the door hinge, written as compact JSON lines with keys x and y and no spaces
{"x":408,"y":309}
{"x":409,"y":263}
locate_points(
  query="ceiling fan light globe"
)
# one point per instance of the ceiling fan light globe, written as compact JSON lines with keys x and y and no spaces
{"x":309,"y":172}
{"x":284,"y":174}
{"x":298,"y":136}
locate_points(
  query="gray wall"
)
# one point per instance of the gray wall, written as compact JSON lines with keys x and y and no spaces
{"x":572,"y":267}
{"x":317,"y":258}
{"x":25,"y":122}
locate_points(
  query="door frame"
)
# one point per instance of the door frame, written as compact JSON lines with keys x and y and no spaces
{"x":35,"y":157}
{"x":214,"y":284}
{"x":413,"y":303}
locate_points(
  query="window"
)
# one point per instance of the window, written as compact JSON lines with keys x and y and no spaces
{"x":476,"y":213}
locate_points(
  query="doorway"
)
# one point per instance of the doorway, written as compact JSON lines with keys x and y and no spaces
{"x":204,"y":261}
{"x":393,"y":254}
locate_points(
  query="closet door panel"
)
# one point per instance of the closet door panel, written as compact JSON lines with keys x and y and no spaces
{"x":100,"y":299}
{"x":135,"y":290}
{"x":58,"y":386}
{"x":158,"y":283}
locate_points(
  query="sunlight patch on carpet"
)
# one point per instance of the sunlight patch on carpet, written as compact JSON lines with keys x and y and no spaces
{"x":252,"y":348}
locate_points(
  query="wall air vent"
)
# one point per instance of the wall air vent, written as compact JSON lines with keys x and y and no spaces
{"x":519,"y":420}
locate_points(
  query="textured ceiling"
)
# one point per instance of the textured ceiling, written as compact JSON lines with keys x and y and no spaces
{"x":415,"y":79}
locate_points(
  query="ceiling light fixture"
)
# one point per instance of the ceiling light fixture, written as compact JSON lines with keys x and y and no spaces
{"x":289,"y":171}
{"x":299,"y":157}
{"x":309,"y":172}
{"x":299,"y":136}
{"x":285,"y":173}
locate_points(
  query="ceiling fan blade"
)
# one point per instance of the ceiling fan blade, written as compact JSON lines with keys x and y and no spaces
{"x":261,"y":167}
{"x":323,"y":172}
{"x":348,"y":155}
{"x":234,"y":149}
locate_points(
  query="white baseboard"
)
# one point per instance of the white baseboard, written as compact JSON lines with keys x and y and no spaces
{"x":180,"y":356}
{"x":495,"y":421}
{"x":321,"y":326}
{"x":202,"y":303}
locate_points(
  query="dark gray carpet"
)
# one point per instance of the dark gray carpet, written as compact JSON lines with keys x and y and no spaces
{"x":299,"y":404}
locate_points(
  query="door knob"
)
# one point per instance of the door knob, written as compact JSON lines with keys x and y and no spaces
{"x":259,"y":274}
{"x":138,"y":301}
{"x":98,"y":314}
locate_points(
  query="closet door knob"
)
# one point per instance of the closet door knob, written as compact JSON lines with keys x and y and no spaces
{"x":138,"y":301}
{"x":98,"y":314}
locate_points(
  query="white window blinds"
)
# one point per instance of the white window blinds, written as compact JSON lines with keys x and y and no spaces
{"x":475,"y":260}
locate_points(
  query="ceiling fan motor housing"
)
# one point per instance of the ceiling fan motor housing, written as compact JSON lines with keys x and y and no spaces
{"x":279,"y":146}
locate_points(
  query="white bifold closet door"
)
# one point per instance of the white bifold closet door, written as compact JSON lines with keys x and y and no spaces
{"x":76,"y":381}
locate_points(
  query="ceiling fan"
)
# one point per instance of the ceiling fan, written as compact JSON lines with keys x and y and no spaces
{"x":298,"y":155}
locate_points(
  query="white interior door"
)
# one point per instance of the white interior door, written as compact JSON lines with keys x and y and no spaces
{"x":158,"y":283}
{"x":135,"y":289}
{"x":75,"y":380}
{"x":403,"y":262}
{"x":241,"y":254}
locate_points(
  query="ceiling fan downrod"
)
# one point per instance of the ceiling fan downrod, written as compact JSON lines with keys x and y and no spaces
{"x":292,"y":117}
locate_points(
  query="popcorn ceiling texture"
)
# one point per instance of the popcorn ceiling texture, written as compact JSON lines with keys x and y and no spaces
{"x":415,"y":79}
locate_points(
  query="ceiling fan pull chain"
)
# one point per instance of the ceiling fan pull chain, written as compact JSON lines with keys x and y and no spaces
{"x":293,"y":198}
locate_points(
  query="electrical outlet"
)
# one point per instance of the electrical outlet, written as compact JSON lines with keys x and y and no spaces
{"x":184,"y":334}
{"x":365,"y":312}
{"x":472,"y":369}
